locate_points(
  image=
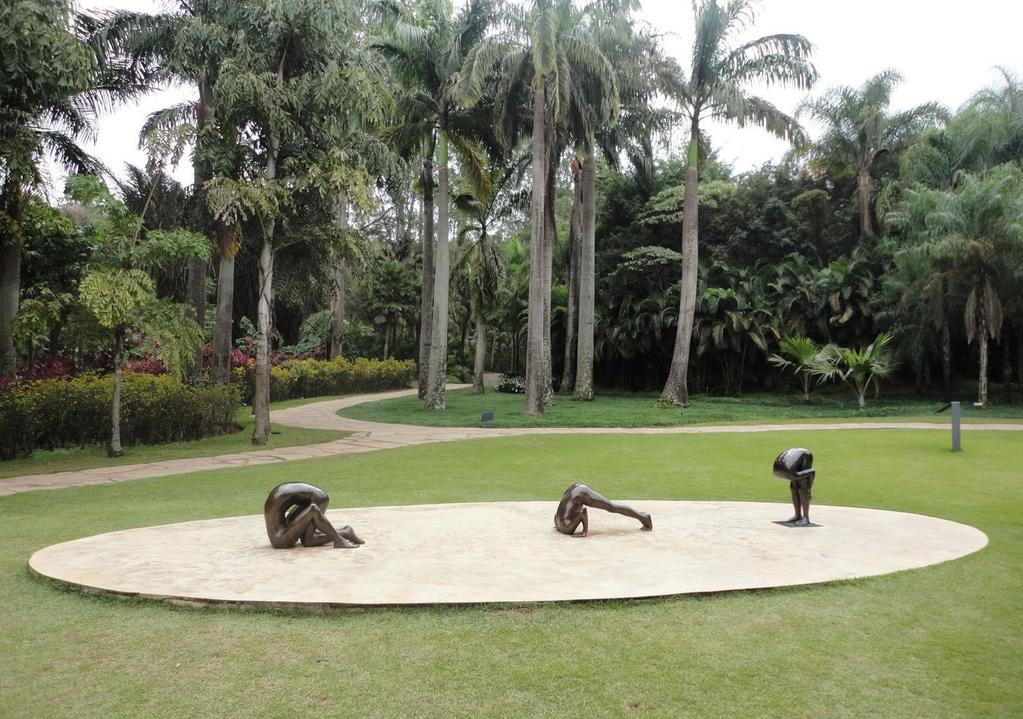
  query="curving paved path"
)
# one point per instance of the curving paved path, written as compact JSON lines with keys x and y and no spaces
{"x":371,"y":436}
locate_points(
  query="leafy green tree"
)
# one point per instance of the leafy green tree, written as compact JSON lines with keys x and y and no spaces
{"x":975,"y":233}
{"x":799,"y":355}
{"x":187,"y":44}
{"x":860,"y":130}
{"x":540,"y":57}
{"x":119,"y":291}
{"x":392,"y":298}
{"x":57,"y":76}
{"x":858,"y":368}
{"x":716,"y":88}
{"x":297,"y":68}
{"x":427,"y":50}
{"x":483,"y":208}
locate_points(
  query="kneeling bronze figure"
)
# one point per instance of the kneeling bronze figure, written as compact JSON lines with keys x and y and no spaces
{"x":294,"y":512}
{"x":796,"y":465}
{"x":572,"y":510}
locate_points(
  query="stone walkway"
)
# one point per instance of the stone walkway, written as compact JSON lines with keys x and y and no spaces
{"x":371,"y":436}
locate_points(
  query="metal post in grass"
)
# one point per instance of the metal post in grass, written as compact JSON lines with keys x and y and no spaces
{"x":956,"y":438}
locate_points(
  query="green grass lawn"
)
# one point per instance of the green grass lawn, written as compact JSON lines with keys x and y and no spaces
{"x":639,"y":409}
{"x":944,"y":641}
{"x":74,"y":458}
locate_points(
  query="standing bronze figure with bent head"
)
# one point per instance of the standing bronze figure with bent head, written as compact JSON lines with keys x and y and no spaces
{"x":796,"y":465}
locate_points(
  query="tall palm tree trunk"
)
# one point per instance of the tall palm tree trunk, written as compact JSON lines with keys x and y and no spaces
{"x":946,"y":362}
{"x":438,"y":365}
{"x":261,"y":396}
{"x":982,"y":379}
{"x":114,"y":446}
{"x":584,"y":368}
{"x":863,"y":200}
{"x":572,"y":311}
{"x":481,"y":353}
{"x":676,"y":388}
{"x":227,"y":242}
{"x":10,"y":275}
{"x":198,"y":268}
{"x":534,"y":400}
{"x":550,"y":233}
{"x":426,"y":299}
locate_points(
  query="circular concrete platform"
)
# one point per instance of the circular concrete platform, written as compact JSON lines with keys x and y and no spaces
{"x":506,"y":552}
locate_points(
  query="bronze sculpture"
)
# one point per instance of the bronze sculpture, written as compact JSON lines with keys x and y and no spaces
{"x":572,"y":510}
{"x":294,"y":512}
{"x":796,"y":465}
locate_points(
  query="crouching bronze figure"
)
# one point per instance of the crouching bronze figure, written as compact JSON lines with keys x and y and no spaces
{"x":294,"y":512}
{"x":572,"y":510}
{"x":796,"y":465}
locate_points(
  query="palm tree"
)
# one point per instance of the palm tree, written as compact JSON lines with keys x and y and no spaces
{"x":483,"y":259}
{"x":973,"y":233}
{"x":715,"y":89}
{"x":59,"y":74}
{"x":543,"y":55}
{"x":427,"y":50}
{"x":858,"y":368}
{"x":154,"y":43}
{"x":797,"y":354}
{"x":860,"y":130}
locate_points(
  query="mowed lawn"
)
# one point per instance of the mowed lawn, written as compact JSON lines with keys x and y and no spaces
{"x":944,"y":641}
{"x":640,"y":409}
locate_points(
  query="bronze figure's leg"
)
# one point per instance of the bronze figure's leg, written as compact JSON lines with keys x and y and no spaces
{"x":592,"y":499}
{"x":796,"y":504}
{"x":572,"y":510}
{"x":804,"y":501}
{"x":312,"y":516}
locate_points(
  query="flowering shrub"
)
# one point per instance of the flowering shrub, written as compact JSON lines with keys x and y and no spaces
{"x":511,"y":384}
{"x":313,"y":378}
{"x":52,"y":413}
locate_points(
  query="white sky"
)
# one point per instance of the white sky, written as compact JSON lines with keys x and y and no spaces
{"x":945,"y":49}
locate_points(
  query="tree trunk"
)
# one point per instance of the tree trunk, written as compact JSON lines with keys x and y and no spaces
{"x":676,"y":388}
{"x":946,"y":362}
{"x":10,"y":288}
{"x":572,"y":311}
{"x":550,"y":234}
{"x":114,"y":447}
{"x":338,"y":309}
{"x":339,"y":302}
{"x":982,"y":380}
{"x":227,"y":241}
{"x":438,"y":366}
{"x":863,"y":199}
{"x":197,"y":267}
{"x":587,"y":250}
{"x":1005,"y":341}
{"x":481,"y":353}
{"x":10,"y":275}
{"x":261,"y":397}
{"x":387,"y":339}
{"x":534,"y":400}
{"x":426,"y":299}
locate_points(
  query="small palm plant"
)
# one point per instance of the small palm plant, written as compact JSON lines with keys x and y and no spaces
{"x":799,"y":355}
{"x":858,"y":368}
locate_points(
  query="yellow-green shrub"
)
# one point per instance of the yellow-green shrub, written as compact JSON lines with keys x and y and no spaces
{"x":294,"y":379}
{"x":74,"y":412}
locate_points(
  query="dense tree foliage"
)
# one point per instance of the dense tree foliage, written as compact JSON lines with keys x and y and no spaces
{"x":494,"y":188}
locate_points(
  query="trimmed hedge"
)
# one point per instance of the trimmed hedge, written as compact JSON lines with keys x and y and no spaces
{"x":294,"y":379}
{"x":52,"y":413}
